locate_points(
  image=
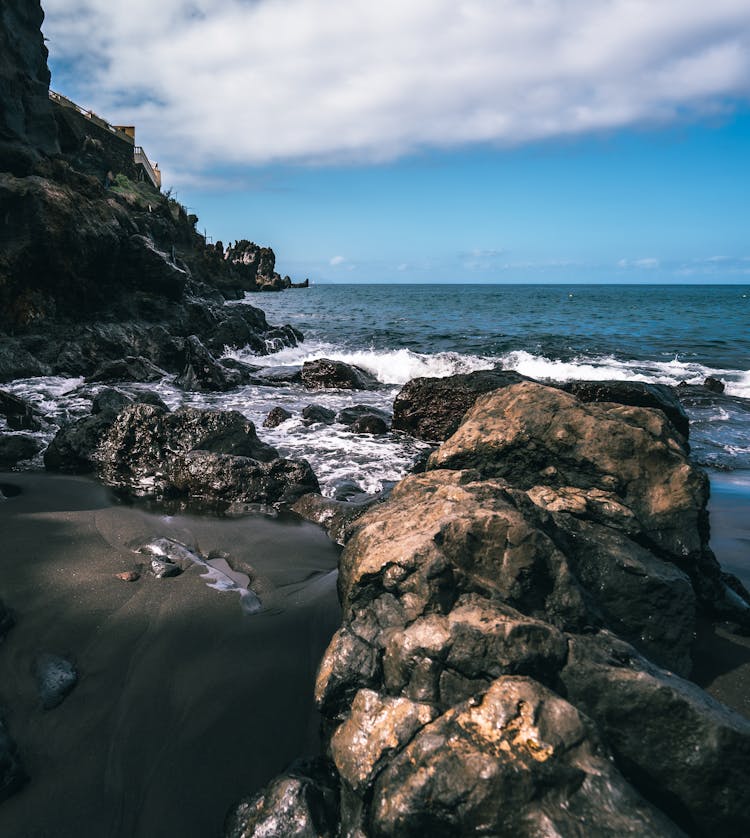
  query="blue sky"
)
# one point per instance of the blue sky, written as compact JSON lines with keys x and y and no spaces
{"x":449,"y":142}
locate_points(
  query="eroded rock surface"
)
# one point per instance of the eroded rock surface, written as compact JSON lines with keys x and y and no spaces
{"x":515,"y":624}
{"x":327,"y":374}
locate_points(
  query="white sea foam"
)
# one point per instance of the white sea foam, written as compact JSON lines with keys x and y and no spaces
{"x":389,"y":366}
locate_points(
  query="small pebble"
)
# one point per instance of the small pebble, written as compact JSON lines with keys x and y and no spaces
{"x":129,"y":576}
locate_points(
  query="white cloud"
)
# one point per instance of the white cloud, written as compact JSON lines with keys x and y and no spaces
{"x":253,"y":82}
{"x":337,"y":260}
{"x":647,"y":264}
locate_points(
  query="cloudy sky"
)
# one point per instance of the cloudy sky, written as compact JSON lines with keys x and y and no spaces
{"x":438,"y":140}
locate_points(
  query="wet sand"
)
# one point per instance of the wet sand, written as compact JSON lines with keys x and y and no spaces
{"x":722,"y":658}
{"x":184,"y":704}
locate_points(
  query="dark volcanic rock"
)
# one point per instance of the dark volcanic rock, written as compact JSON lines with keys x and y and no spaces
{"x":227,"y":477}
{"x":432,"y":408}
{"x":203,"y":372}
{"x":349,"y":415}
{"x":27,"y":126}
{"x":337,"y":517}
{"x":73,"y":447}
{"x":275,"y":376}
{"x":215,"y":456}
{"x":635,"y":393}
{"x":130,"y":368}
{"x":12,"y":773}
{"x":689,"y":754}
{"x":715,"y":385}
{"x":317,"y":413}
{"x":303,"y":803}
{"x":17,"y":362}
{"x":327,"y":374}
{"x":19,"y":414}
{"x":276,"y":416}
{"x":369,"y":424}
{"x":55,"y":677}
{"x":14,"y":448}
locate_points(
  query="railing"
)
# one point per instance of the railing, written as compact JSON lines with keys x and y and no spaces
{"x":154,"y":175}
{"x":97,"y":120}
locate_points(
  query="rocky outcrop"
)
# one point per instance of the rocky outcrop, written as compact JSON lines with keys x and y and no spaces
{"x":327,"y":374}
{"x":432,"y":408}
{"x":481,"y":681}
{"x":214,"y":456}
{"x":636,"y":394}
{"x":12,"y":773}
{"x":27,"y":126}
{"x":16,"y":448}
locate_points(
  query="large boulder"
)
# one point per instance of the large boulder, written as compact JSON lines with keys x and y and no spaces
{"x":432,"y":408}
{"x":479,"y":683}
{"x":129,"y":368}
{"x":202,"y":372}
{"x":327,"y":374}
{"x":15,"y":448}
{"x":211,"y":455}
{"x":636,"y":394}
{"x":687,"y":752}
{"x":19,"y":414}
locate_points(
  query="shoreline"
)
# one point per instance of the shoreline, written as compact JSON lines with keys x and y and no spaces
{"x":181,"y":697}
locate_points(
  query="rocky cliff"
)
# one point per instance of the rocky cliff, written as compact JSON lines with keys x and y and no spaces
{"x":27,"y":126}
{"x":79,"y":253}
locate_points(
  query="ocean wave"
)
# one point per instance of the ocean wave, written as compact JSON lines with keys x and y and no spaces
{"x":389,"y":366}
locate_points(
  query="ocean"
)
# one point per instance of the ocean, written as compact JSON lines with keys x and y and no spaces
{"x":664,"y":334}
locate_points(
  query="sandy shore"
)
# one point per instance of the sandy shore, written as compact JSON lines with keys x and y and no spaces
{"x":184,"y":704}
{"x":722,"y":659}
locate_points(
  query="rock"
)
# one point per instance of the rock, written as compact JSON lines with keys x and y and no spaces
{"x":432,"y":408}
{"x":203,"y":372}
{"x":369,"y":425}
{"x":276,"y":417}
{"x":55,"y":677}
{"x":15,"y":448}
{"x":636,"y":394}
{"x":303,"y":803}
{"x":686,"y":752}
{"x":346,"y":489}
{"x":27,"y":126}
{"x":19,"y":414}
{"x":17,"y":362}
{"x":327,"y":374}
{"x":715,"y":385}
{"x":163,"y":568}
{"x":519,"y":761}
{"x":73,"y":448}
{"x":226,"y":477}
{"x":315,"y":413}
{"x":12,"y":773}
{"x":129,"y":576}
{"x":248,"y":373}
{"x":130,"y":368}
{"x":279,"y":376}
{"x":349,"y":415}
{"x":110,"y":402}
{"x":337,"y":517}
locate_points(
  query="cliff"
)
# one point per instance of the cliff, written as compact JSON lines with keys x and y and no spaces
{"x":79,"y":253}
{"x":27,"y":125}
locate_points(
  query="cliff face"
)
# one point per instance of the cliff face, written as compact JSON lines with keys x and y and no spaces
{"x":27,"y":126}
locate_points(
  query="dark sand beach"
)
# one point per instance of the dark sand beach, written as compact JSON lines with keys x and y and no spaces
{"x":184,"y":704}
{"x":723,"y":657}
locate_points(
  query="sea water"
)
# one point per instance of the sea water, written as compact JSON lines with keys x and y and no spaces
{"x":662,"y":334}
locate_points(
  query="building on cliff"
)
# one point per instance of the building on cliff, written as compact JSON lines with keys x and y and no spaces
{"x":79,"y":129}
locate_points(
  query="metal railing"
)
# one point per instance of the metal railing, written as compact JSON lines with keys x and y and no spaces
{"x":95,"y":118}
{"x":140,"y":159}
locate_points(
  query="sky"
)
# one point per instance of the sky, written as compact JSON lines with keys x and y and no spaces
{"x":438,"y":140}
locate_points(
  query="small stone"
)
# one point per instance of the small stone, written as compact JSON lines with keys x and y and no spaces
{"x":55,"y":678}
{"x":129,"y":576}
{"x":163,"y":570}
{"x":276,"y":417}
{"x":715,"y":385}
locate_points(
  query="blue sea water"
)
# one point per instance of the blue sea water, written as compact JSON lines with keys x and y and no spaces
{"x":663,"y":334}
